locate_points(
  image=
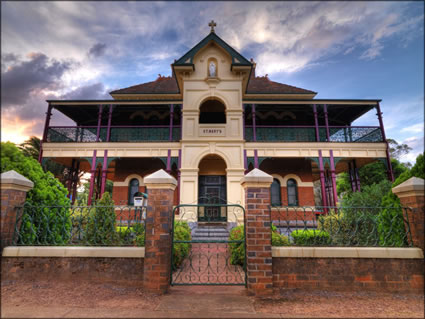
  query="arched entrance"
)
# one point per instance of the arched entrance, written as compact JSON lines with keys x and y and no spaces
{"x":212,"y":189}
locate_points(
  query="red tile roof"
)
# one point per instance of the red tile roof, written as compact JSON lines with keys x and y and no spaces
{"x":162,"y":85}
{"x":256,"y":85}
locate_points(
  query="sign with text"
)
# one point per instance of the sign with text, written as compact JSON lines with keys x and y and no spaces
{"x":212,"y":131}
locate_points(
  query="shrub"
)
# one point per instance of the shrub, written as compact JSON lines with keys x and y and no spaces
{"x":40,"y":225}
{"x":237,"y":250}
{"x":279,"y":240}
{"x":181,"y":250}
{"x":310,"y":237}
{"x":391,"y":227}
{"x":101,"y":224}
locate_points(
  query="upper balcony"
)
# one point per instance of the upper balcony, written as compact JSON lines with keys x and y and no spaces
{"x":323,"y":121}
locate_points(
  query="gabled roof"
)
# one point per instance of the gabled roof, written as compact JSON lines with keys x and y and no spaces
{"x":162,"y":85}
{"x":237,"y":58}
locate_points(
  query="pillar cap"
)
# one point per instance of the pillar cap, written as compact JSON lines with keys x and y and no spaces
{"x":257,"y":178}
{"x":160,"y":179}
{"x":414,"y":186}
{"x":13,"y":180}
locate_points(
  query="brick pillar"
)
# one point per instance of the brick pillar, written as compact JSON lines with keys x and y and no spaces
{"x":14,"y":188}
{"x":258,"y":233}
{"x":411,"y":194}
{"x":160,"y":186}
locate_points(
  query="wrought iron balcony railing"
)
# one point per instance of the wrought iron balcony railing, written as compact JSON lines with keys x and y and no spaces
{"x":344,"y":134}
{"x":74,"y":134}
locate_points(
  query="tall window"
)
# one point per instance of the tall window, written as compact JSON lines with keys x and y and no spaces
{"x":275,"y":193}
{"x":133,"y":188}
{"x":292,"y":192}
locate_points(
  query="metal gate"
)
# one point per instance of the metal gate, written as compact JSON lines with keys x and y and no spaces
{"x":210,"y":259}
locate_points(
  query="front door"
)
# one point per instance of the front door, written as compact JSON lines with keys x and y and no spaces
{"x":212,"y":192}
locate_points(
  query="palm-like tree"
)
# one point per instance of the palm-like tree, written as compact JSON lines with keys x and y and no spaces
{"x":31,"y":147}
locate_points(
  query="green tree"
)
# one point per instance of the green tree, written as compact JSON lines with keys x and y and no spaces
{"x":39,"y":224}
{"x":31,"y":148}
{"x":397,"y":150}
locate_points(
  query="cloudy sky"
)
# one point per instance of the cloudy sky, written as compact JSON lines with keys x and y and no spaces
{"x":83,"y":50}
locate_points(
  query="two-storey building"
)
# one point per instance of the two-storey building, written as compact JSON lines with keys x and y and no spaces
{"x":208,"y":124}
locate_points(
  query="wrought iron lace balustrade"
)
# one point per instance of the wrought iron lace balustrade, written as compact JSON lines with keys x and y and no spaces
{"x":342,"y":134}
{"x":157,"y":133}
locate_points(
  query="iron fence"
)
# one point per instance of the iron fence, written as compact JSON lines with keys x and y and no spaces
{"x":80,"y":226}
{"x":343,"y":226}
{"x":343,"y":134}
{"x":72,"y":134}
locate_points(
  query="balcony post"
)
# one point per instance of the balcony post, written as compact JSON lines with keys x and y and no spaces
{"x":92,"y":171}
{"x":75,"y":184}
{"x":333,"y":176}
{"x":316,"y":123}
{"x":99,"y":121}
{"x":108,"y":132}
{"x":325,"y":110}
{"x":255,"y":159}
{"x":104,"y":172}
{"x":170,"y":138}
{"x":70,"y":180}
{"x":245,"y":161}
{"x":356,"y":177}
{"x":254,"y":129}
{"x":179,"y":164}
{"x":243,"y":119}
{"x":168,"y":169}
{"x":381,"y":125}
{"x":322,"y":183}
{"x":45,"y":131}
{"x":350,"y":172}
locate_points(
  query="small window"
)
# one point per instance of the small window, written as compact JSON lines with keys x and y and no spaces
{"x":133,"y":189}
{"x":212,"y":112}
{"x":292,"y":192}
{"x":275,"y":193}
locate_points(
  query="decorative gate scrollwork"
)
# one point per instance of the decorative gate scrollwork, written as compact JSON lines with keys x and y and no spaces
{"x":212,"y":258}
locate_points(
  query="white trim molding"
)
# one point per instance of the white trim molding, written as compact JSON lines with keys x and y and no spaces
{"x":300,"y":183}
{"x":52,"y":251}
{"x":128,"y":179}
{"x":347,"y":252}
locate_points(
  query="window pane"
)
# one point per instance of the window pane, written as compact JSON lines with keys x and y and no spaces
{"x":133,"y":189}
{"x":292,"y":192}
{"x":275,"y":193}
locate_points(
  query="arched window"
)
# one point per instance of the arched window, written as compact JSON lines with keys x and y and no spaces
{"x":133,"y":188}
{"x":291,"y":185}
{"x":275,"y":193}
{"x":212,"y":112}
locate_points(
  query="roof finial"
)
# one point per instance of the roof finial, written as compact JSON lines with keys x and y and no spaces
{"x":212,"y":24}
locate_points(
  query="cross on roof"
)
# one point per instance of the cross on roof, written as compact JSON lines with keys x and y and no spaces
{"x":212,"y":24}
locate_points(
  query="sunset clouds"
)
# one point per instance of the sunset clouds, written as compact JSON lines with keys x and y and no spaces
{"x":86,"y":49}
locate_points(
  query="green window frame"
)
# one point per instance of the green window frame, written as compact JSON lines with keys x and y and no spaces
{"x":292,"y":192}
{"x":133,"y":189}
{"x":276,"y":199}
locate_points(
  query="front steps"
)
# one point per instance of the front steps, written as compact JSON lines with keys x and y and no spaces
{"x":216,"y":231}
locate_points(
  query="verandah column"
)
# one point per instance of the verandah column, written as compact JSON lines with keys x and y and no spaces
{"x":333,"y":177}
{"x":105,"y":153}
{"x":325,"y":110}
{"x":322,"y":182}
{"x":254,"y":135}
{"x":157,"y":262}
{"x":258,"y":232}
{"x":93,"y":162}
{"x":45,"y":131}
{"x":381,"y":125}
{"x":316,"y":123}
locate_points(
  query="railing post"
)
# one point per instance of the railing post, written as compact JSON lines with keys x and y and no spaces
{"x":170,"y":138}
{"x":316,"y":123}
{"x":258,"y":232}
{"x":108,"y":132}
{"x":157,"y":262}
{"x":325,"y":110}
{"x":14,"y":188}
{"x":255,"y":159}
{"x":254,"y":130}
{"x":411,"y":194}
{"x":381,"y":125}
{"x":45,"y":131}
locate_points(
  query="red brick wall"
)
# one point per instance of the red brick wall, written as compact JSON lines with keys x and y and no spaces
{"x":378,"y":274}
{"x":128,"y":271}
{"x":10,"y":198}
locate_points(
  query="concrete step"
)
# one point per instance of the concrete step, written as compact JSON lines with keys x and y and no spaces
{"x":210,"y":238}
{"x":203,"y":231}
